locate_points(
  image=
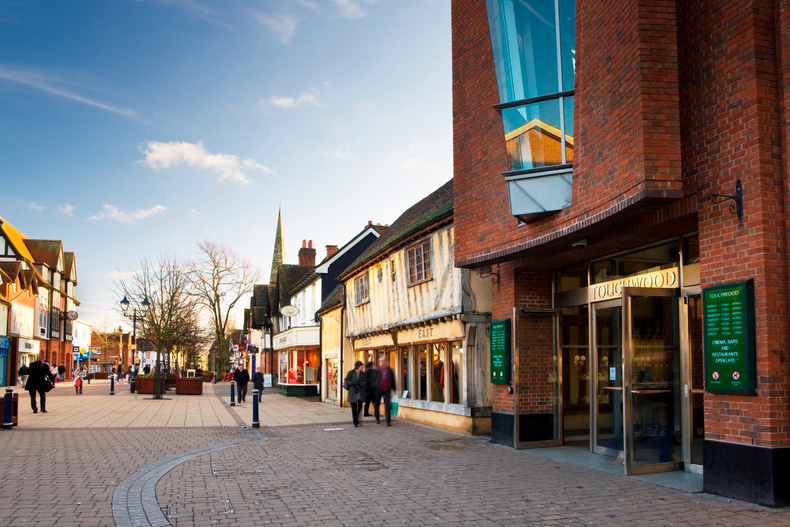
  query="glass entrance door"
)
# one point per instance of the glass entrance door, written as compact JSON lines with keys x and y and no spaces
{"x":607,"y":372}
{"x":651,"y":380}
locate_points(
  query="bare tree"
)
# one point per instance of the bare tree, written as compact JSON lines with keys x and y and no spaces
{"x":220,"y":278}
{"x":171,"y":308}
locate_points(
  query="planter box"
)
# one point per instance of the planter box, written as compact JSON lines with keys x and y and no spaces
{"x":189,"y":386}
{"x":145,"y":385}
{"x":100,"y":375}
{"x":208,"y":377}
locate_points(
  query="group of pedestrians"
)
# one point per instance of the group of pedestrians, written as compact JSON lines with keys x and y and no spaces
{"x":371,"y":385}
{"x":242,"y":378}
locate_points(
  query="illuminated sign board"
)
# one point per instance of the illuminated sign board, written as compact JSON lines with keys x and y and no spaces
{"x":500,"y":352}
{"x":730,"y":344}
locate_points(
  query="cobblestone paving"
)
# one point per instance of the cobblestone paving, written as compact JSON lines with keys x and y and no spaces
{"x":324,"y":473}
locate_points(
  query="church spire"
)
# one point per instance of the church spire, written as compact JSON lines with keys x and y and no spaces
{"x":278,"y":256}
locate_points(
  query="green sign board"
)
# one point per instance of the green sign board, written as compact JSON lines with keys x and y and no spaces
{"x":500,"y":352}
{"x":730,"y":344}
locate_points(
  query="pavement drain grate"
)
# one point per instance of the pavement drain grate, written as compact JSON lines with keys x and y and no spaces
{"x":450,"y":444}
{"x":355,"y":460}
{"x":192,"y":509}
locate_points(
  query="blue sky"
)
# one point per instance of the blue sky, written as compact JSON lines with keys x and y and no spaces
{"x":131,"y":128}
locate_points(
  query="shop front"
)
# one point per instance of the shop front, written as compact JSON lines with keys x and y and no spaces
{"x":299,"y":360}
{"x":27,"y":351}
{"x":627,"y":360}
{"x":435,"y":368}
{"x":4,"y":368}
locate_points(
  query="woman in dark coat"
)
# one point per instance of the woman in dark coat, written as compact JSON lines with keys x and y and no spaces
{"x":355,"y":380}
{"x":257,"y":382}
{"x":39,"y":373}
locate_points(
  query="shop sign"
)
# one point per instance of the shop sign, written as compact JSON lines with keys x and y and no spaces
{"x":4,"y":342}
{"x":374,"y":341}
{"x":29,"y":346}
{"x":666,"y":278}
{"x":730,"y":342}
{"x":500,"y":351}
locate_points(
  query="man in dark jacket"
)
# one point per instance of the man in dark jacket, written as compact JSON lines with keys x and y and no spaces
{"x":385,"y":384}
{"x":257,"y":382}
{"x":242,"y":377}
{"x":37,"y":382}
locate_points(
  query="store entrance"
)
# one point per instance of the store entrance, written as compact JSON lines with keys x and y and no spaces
{"x":621,"y":370}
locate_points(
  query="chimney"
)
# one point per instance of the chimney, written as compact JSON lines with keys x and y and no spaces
{"x":331,"y":250}
{"x":307,"y":254}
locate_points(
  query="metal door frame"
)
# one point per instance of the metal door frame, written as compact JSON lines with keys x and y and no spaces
{"x":591,"y":312}
{"x":628,"y":431}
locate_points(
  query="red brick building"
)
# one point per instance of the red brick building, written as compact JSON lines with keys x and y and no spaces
{"x":597,"y":145}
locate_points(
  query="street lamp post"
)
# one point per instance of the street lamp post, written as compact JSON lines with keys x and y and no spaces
{"x":125,"y":306}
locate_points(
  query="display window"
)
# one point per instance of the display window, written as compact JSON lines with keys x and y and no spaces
{"x":332,"y":375}
{"x":299,"y":366}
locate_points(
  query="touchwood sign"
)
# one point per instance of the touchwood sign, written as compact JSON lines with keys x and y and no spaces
{"x":666,"y":278}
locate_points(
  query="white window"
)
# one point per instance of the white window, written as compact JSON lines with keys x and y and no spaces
{"x":21,"y":321}
{"x":419,"y":262}
{"x":361,"y":289}
{"x":42,"y":317}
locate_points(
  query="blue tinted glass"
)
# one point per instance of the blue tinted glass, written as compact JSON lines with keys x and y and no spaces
{"x":524,"y":40}
{"x":567,"y":105}
{"x":568,"y":43}
{"x":532,"y":134}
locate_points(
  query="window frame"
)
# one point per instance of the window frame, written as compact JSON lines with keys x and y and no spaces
{"x":425,"y":274}
{"x":362,"y":289}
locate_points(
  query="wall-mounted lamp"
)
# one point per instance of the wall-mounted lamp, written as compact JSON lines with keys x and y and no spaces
{"x":735,"y":208}
{"x":485,"y":272}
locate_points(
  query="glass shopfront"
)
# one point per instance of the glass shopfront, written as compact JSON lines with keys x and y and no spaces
{"x":299,"y":366}
{"x":629,"y":354}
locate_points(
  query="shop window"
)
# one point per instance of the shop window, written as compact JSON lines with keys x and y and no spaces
{"x":361,"y":289}
{"x":422,"y":358}
{"x":301,"y":366}
{"x":419,"y":263}
{"x":437,"y":371}
{"x":455,"y":375}
{"x":405,"y":373}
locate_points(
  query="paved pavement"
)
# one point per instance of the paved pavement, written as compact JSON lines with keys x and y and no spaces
{"x":126,"y":459}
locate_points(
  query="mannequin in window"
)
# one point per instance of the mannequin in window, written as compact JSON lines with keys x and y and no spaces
{"x":438,"y":378}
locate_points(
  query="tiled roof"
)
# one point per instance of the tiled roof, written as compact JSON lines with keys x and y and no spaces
{"x":334,"y":299}
{"x":16,"y":238}
{"x":431,"y":209}
{"x":288,"y":277}
{"x":378,"y":228}
{"x":10,"y":271}
{"x":68,"y":265}
{"x":45,"y":251}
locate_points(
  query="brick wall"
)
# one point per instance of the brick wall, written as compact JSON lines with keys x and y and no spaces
{"x":627,"y":132}
{"x":733,"y":119}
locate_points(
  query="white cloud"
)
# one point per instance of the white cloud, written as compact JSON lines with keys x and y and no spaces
{"x":44,"y":82}
{"x":307,"y":99}
{"x":194,"y":215}
{"x":67,"y":210}
{"x":112,"y":212}
{"x":413,"y":163}
{"x":339,"y":152}
{"x":35,"y":206}
{"x":283,"y":26}
{"x":351,"y":8}
{"x":166,"y":155}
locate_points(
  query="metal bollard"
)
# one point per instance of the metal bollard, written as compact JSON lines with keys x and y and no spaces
{"x":255,"y":422}
{"x":8,"y":422}
{"x":233,"y":393}
{"x":112,"y":385}
{"x":132,"y":380}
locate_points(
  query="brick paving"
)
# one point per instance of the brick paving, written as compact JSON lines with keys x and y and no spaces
{"x":126,"y":460}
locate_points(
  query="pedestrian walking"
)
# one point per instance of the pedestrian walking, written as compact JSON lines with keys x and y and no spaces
{"x":80,"y":374}
{"x":242,"y":377}
{"x":61,"y":373}
{"x":39,"y":381}
{"x":24,"y":371}
{"x":385,"y":383}
{"x":370,"y":388}
{"x":355,"y":384}
{"x":147,"y":369}
{"x":257,"y":382}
